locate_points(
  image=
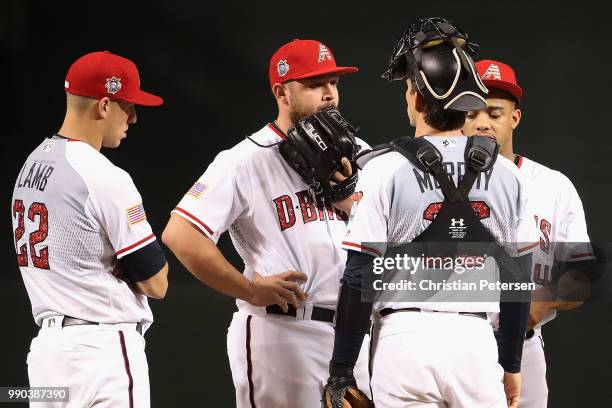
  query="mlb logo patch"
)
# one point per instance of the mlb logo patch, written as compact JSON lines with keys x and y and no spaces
{"x":282,"y":68}
{"x":450,"y":143}
{"x":113,"y":85}
{"x":136,"y":214}
{"x":197,"y":189}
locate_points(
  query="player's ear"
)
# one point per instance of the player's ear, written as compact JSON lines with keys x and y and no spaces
{"x":418,"y":102}
{"x":102,"y":107}
{"x":516,"y":118}
{"x":280,"y":92}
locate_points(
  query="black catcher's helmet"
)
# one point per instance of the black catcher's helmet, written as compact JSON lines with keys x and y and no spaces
{"x":437,"y":55}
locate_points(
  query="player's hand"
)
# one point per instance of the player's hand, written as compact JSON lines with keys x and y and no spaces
{"x":342,"y":392}
{"x":537,"y":313}
{"x":347,"y":170}
{"x":512,"y":388}
{"x":281,"y":289}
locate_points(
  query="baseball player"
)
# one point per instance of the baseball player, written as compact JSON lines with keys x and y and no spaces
{"x":281,"y":337}
{"x":438,"y":186}
{"x":86,"y":252}
{"x":558,"y":216}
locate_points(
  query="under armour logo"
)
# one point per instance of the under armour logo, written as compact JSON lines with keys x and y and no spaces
{"x":457,"y":222}
{"x":324,"y":53}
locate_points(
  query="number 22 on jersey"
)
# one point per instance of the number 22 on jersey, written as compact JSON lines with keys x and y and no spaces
{"x":36,"y":211}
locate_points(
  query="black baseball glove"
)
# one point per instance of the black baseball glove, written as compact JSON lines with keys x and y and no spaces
{"x":315,"y":147}
{"x":342,"y":392}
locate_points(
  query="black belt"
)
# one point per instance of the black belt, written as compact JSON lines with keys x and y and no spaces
{"x":530,"y":333}
{"x":388,"y":311}
{"x":318,"y":313}
{"x":73,"y":321}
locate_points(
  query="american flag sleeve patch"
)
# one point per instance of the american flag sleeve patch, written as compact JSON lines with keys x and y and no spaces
{"x":197,"y":189}
{"x":136,"y":214}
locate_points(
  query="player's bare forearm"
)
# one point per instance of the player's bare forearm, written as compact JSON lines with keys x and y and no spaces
{"x":567,"y":305}
{"x":202,"y":258}
{"x":156,"y":286}
{"x":512,"y":388}
{"x":539,"y":310}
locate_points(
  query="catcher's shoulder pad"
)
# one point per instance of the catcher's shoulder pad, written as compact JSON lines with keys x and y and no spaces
{"x":419,"y":151}
{"x":481,"y":152}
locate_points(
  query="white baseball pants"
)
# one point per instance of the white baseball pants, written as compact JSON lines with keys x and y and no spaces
{"x":435,"y":359}
{"x":278,"y":361}
{"x":104,"y":366}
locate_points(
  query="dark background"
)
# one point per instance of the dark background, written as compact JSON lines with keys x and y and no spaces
{"x":210,"y":61}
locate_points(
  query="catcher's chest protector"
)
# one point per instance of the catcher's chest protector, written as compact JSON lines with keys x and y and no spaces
{"x":456,"y":221}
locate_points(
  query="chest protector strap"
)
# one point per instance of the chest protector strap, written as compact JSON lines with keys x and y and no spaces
{"x":456,"y":212}
{"x":480,"y":155}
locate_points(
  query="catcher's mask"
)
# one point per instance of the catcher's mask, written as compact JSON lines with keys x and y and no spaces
{"x":437,"y":55}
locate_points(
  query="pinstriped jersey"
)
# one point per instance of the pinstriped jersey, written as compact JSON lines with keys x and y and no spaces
{"x":74,"y":214}
{"x":275,"y":223}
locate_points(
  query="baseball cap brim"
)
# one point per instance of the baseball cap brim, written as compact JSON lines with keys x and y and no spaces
{"x":509,"y":87}
{"x":144,"y":98}
{"x":328,"y":71}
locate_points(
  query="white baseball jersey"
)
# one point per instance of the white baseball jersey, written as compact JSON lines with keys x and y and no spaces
{"x":558,"y":217}
{"x":400,"y":201}
{"x":74,"y":214}
{"x":274,"y":222}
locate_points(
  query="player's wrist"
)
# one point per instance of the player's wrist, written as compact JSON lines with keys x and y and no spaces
{"x":248,"y":291}
{"x":340,"y":370}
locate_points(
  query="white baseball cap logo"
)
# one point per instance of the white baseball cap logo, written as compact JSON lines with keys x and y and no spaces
{"x":492,"y":73}
{"x":324,"y":54}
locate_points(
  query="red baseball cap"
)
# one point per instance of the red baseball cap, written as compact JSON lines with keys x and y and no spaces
{"x":497,"y":75}
{"x":304,"y":59}
{"x":102,"y":73}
